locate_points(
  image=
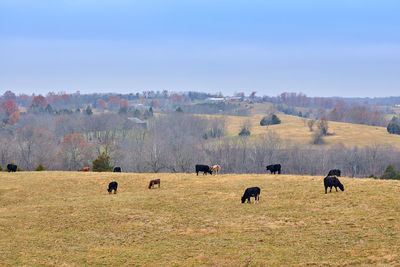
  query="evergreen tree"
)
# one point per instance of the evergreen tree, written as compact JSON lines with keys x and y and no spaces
{"x":102,"y":163}
{"x":89,"y":110}
{"x":40,"y":167}
{"x":390,"y":173}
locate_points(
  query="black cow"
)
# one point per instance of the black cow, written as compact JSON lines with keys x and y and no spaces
{"x":334,"y":172}
{"x":251,"y":192}
{"x":112,"y":186}
{"x":11,"y":167}
{"x":330,"y":181}
{"x":274,"y":168}
{"x":203,"y":168}
{"x":117,"y":169}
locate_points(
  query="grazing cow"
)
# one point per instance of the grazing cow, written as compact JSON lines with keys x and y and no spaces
{"x":330,"y":181}
{"x":251,"y":192}
{"x":154,"y":182}
{"x":11,"y":167}
{"x":204,"y":169}
{"x":216,"y":169}
{"x":117,"y":169}
{"x":112,"y":186}
{"x":334,"y":172}
{"x":274,"y":168}
{"x":85,"y":169}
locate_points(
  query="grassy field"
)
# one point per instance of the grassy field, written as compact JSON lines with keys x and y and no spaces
{"x":294,"y":129}
{"x":68,"y":219}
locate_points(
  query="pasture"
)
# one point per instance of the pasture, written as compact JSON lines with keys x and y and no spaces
{"x":295,"y":129}
{"x":69,"y":219}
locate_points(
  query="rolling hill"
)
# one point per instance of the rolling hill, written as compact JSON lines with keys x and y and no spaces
{"x":295,"y":129}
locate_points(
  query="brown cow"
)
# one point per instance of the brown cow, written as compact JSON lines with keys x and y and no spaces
{"x":154,"y":182}
{"x":216,"y":169}
{"x":85,"y":169}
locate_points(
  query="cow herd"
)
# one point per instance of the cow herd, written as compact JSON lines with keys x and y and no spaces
{"x":330,"y":181}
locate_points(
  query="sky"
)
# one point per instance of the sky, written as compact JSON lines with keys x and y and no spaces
{"x":342,"y":48}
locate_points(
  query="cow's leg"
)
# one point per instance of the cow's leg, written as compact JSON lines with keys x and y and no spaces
{"x":336,"y":188}
{"x":326,"y":189}
{"x":159,"y":184}
{"x":115,"y":191}
{"x":331,"y":189}
{"x":197,"y":173}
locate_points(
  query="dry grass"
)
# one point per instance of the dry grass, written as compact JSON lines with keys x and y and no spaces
{"x":293,"y":129}
{"x":68,"y":219}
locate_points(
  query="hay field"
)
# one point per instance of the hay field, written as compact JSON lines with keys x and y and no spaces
{"x":68,"y":219}
{"x":293,"y":128}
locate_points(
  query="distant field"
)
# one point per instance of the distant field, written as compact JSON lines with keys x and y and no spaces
{"x":68,"y":219}
{"x":293,"y":128}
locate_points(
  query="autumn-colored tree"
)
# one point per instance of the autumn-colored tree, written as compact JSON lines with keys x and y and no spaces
{"x":39,"y":103}
{"x":58,"y":100}
{"x":155,"y":103}
{"x":176,"y":98}
{"x":124,"y":104}
{"x":113,"y":102}
{"x":101,"y":104}
{"x":10,"y":107}
{"x":14,"y":117}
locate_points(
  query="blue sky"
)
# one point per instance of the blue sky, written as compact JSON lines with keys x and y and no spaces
{"x":320,"y":48}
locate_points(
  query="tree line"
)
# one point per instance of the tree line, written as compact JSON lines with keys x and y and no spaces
{"x":173,"y":142}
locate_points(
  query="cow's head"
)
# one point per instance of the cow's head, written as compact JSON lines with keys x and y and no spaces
{"x":341,"y":186}
{"x":243,"y":199}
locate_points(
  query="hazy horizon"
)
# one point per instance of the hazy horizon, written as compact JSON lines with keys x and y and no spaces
{"x":330,"y":48}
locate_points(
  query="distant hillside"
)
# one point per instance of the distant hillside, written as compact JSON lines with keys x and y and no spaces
{"x":295,"y":129}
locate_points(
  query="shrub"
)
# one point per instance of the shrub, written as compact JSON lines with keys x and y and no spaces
{"x":1,"y":168}
{"x":40,"y":167}
{"x":394,"y":126}
{"x":244,"y":132}
{"x":390,"y":173}
{"x":102,"y":163}
{"x":323,"y":126}
{"x":89,"y":110}
{"x":270,"y":120}
{"x":371,"y":176}
{"x":310,"y":124}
